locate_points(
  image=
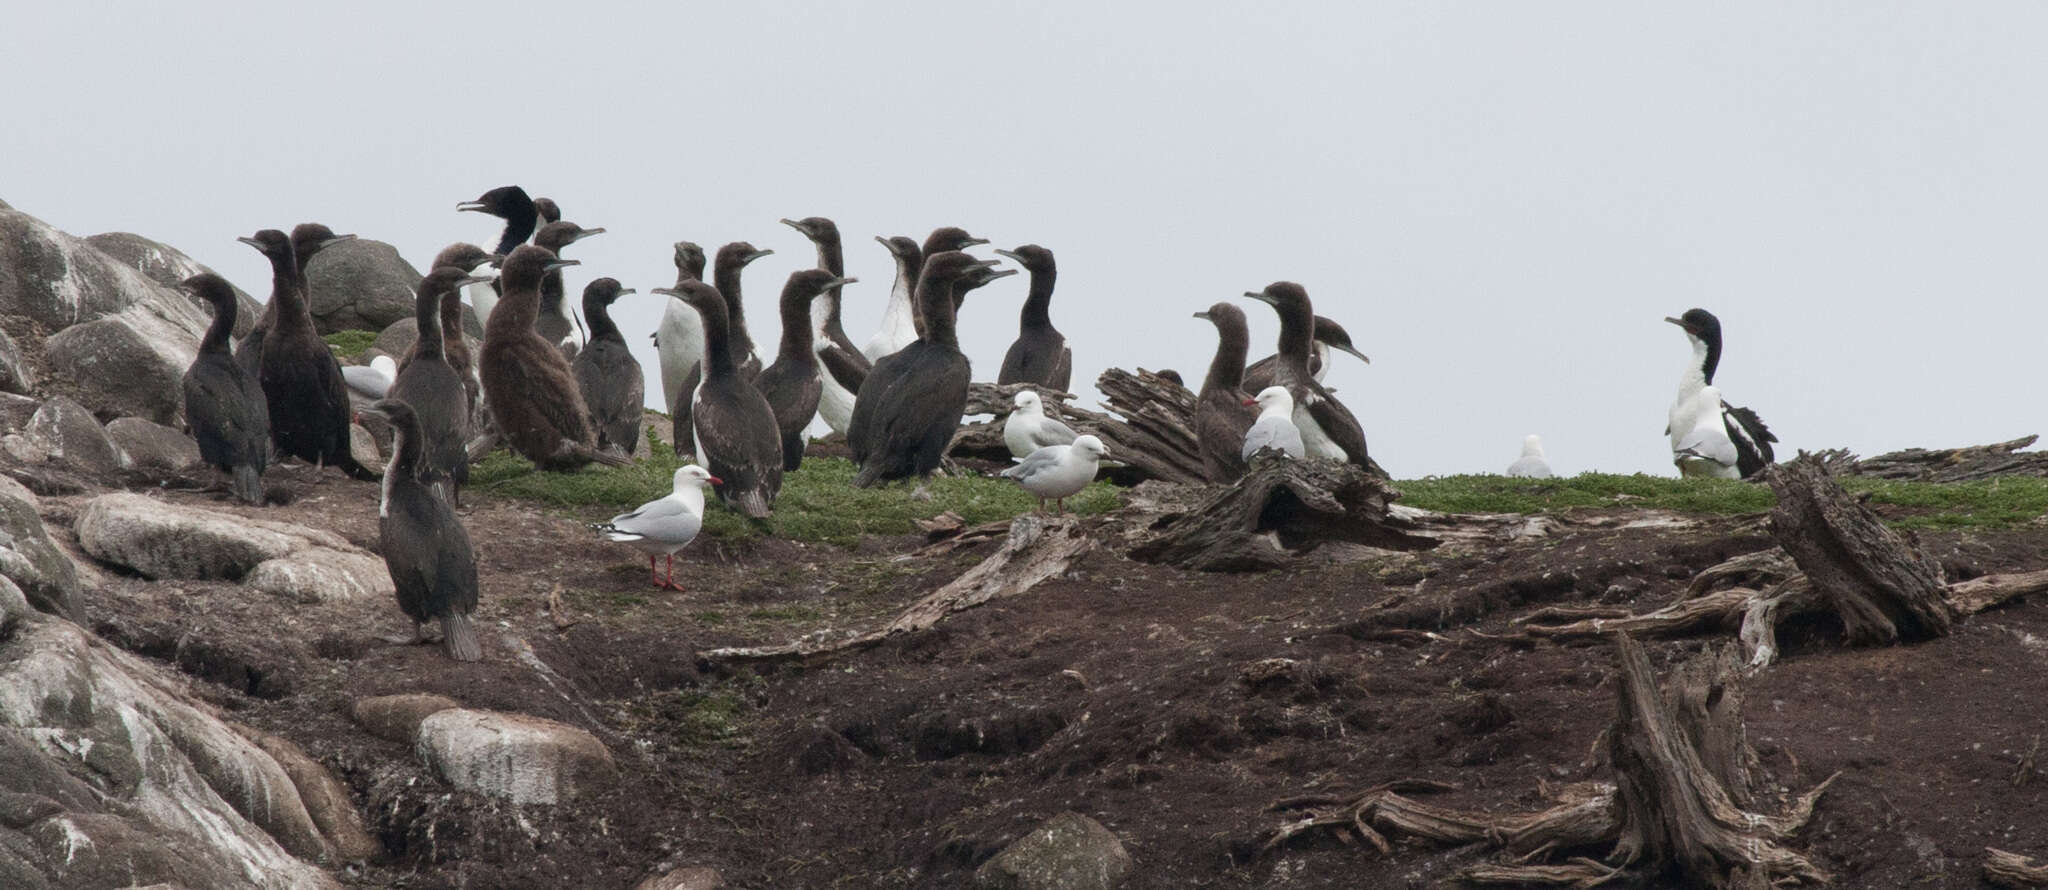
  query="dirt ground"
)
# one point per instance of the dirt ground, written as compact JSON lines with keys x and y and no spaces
{"x":1119,"y":691}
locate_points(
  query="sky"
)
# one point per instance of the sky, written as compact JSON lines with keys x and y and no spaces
{"x":1501,"y":201}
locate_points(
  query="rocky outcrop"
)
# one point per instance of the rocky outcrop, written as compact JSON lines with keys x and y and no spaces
{"x":113,"y":775}
{"x":162,"y":540}
{"x":523,"y":759}
{"x":398,"y":717}
{"x":47,"y":579}
{"x":64,"y":432}
{"x":1069,"y":852}
{"x":153,"y":445}
{"x":360,"y":285}
{"x":15,"y":410}
{"x":15,"y":375}
{"x":128,"y":364}
{"x":167,"y":266}
{"x":55,"y":280}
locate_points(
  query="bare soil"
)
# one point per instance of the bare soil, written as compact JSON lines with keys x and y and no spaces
{"x":1138,"y":695}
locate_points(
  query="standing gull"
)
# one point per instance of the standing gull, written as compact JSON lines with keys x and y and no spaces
{"x":373,"y":380}
{"x":1710,"y":437}
{"x":426,"y":549}
{"x":1531,"y":464}
{"x":224,"y":404}
{"x":1057,"y":472}
{"x":665,"y":525}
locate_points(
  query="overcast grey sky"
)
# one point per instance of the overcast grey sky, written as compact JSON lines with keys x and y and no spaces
{"x":1500,"y":200}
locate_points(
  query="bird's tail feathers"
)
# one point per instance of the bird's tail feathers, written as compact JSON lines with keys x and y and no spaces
{"x":458,"y":633}
{"x":753,"y":505}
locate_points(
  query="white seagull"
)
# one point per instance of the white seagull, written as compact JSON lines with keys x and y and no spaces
{"x":1275,"y":427}
{"x":372,"y":380}
{"x":1027,"y":429}
{"x":1531,"y":464}
{"x":1057,"y":472}
{"x":665,"y":525}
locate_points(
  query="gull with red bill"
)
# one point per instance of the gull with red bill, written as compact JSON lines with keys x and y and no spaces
{"x":665,"y":525}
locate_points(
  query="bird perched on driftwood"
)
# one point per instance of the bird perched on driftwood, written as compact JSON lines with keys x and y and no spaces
{"x":1028,"y":428}
{"x":1274,"y":427}
{"x":665,"y":525}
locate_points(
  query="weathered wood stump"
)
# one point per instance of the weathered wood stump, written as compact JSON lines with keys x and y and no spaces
{"x":1955,"y":464}
{"x":2013,"y":871}
{"x":1279,"y":510}
{"x":1883,"y":588}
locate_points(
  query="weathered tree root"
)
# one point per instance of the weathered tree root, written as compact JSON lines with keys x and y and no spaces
{"x":1883,"y":588}
{"x":1682,"y":774}
{"x":1279,"y":509}
{"x":2011,"y":870}
{"x":1038,"y":548}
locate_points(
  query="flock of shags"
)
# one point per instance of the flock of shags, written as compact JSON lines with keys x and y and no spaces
{"x":898,"y":398}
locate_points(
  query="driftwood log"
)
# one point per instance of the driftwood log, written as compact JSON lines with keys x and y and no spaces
{"x":1679,"y":756}
{"x":1280,"y":509}
{"x":1883,"y":588}
{"x":1946,"y":464}
{"x":2013,"y":871}
{"x":1037,"y":548}
{"x":1152,"y":439}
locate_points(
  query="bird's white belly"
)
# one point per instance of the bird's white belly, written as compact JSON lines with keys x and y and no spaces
{"x":482,"y":299}
{"x":1063,"y":480}
{"x":1313,"y":439}
{"x":835,"y":404}
{"x":680,"y":348}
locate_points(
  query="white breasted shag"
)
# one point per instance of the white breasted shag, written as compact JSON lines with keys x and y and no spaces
{"x":1274,"y":427}
{"x":899,"y":324}
{"x":665,"y":525}
{"x":1028,"y":428}
{"x":792,"y":384}
{"x":425,"y":547}
{"x":1221,"y":416}
{"x":1328,"y":429}
{"x":910,"y":405}
{"x":224,"y":404}
{"x":1040,"y":354}
{"x":1699,"y":419}
{"x":828,"y":333}
{"x":679,"y":340}
{"x":1057,"y":472}
{"x":1531,"y":465}
{"x":1329,"y":335}
{"x":613,"y":387}
{"x":730,"y":421}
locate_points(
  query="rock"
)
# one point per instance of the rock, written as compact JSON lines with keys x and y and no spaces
{"x":15,"y":376}
{"x":64,"y":431}
{"x":360,"y":285}
{"x":514,"y":756}
{"x":163,"y":540}
{"x":326,"y":800}
{"x":48,"y":580}
{"x":130,"y":364}
{"x":1069,"y":852}
{"x":15,"y":410}
{"x":397,"y":717}
{"x":363,"y":447}
{"x":690,"y":878}
{"x":322,"y":575}
{"x":54,"y":281}
{"x":167,"y":266}
{"x":153,"y":444}
{"x":112,"y":777}
{"x":397,"y":338}
{"x":20,"y":492}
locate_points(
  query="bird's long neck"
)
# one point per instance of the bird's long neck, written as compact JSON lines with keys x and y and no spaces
{"x":519,"y":306}
{"x":1297,"y":338}
{"x":518,"y":228}
{"x":404,"y":466}
{"x":796,"y":326}
{"x":223,"y":327}
{"x":451,"y":326}
{"x":1226,"y":370}
{"x":900,"y":289}
{"x":1038,"y":303}
{"x":285,"y":289}
{"x":935,"y":305}
{"x":427,"y":313}
{"x":1699,"y":370}
{"x":599,"y":314}
{"x":833,"y":260}
{"x":718,"y":358}
{"x":551,"y":292}
{"x":728,"y":284}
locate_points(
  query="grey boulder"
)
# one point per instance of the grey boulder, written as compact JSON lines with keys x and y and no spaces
{"x":520,"y":758}
{"x":153,"y":445}
{"x":360,"y":285}
{"x":15,"y":374}
{"x":55,"y":280}
{"x":131,"y":363}
{"x":28,"y":558}
{"x":163,"y":540}
{"x":167,"y":265}
{"x":398,"y":337}
{"x":1068,"y":852}
{"x":62,"y":431}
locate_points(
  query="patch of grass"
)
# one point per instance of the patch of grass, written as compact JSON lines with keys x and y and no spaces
{"x":817,"y":503}
{"x":1996,"y":503}
{"x":708,"y":718}
{"x":349,"y":345}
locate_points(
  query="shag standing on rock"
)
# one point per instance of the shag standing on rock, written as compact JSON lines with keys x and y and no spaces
{"x":1221,"y":416}
{"x":553,"y":323}
{"x":731,"y":422}
{"x":613,"y":388}
{"x":792,"y":385}
{"x":1328,"y":430}
{"x":1057,"y":472}
{"x":307,"y":239}
{"x":1329,"y":335}
{"x":1275,"y":427}
{"x":910,"y":405}
{"x":532,"y":393}
{"x":431,"y":388}
{"x":1040,"y":355}
{"x":455,"y":340}
{"x":302,"y":388}
{"x":679,"y":340}
{"x":665,"y":525}
{"x":511,"y":204}
{"x":425,"y":547}
{"x":224,"y":404}
{"x":899,"y":321}
{"x":1028,"y":428}
{"x":1710,"y":437}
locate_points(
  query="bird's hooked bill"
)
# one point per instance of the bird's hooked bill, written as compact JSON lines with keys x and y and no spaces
{"x":471,"y":205}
